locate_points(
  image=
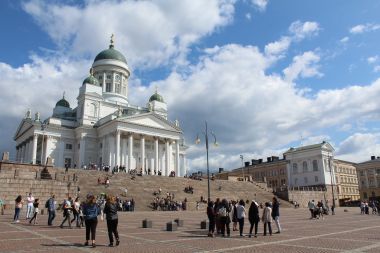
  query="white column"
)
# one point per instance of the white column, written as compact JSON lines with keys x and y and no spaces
{"x":142,"y":142}
{"x":82,"y":147}
{"x":22,"y":153}
{"x":103,"y":150}
{"x":166,"y":170}
{"x":34,"y":151}
{"x":123,"y":152}
{"x":171,"y":160}
{"x":16,"y":159}
{"x":111,"y":143}
{"x":117,"y":148}
{"x":27,"y":152}
{"x":178,"y":172}
{"x":130,"y":151}
{"x":184,"y":165}
{"x":61,"y":162}
{"x":155,"y":155}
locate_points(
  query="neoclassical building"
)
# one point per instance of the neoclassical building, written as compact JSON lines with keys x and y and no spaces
{"x":104,"y":128}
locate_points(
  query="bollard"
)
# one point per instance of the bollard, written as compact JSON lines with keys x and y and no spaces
{"x":147,"y":223}
{"x":179,"y":222}
{"x":42,"y":211}
{"x":171,"y":226}
{"x":204,"y":224}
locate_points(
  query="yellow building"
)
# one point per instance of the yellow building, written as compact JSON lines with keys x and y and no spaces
{"x":346,"y":180}
{"x":369,"y":178}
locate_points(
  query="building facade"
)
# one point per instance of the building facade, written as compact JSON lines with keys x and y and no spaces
{"x":347,"y":180}
{"x":104,"y":128}
{"x":369,"y":179}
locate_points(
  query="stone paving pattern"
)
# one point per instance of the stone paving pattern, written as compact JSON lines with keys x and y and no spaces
{"x":345,"y":232}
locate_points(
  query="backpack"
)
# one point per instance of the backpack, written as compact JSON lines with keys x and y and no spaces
{"x":47,"y":203}
{"x":222,"y":212}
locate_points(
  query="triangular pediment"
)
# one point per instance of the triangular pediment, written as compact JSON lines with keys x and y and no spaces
{"x":150,"y":120}
{"x":24,"y":126}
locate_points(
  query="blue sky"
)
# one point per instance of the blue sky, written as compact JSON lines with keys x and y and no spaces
{"x":265,"y":74}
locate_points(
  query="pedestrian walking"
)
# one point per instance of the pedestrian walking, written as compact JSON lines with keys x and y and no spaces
{"x":110,"y":210}
{"x":75,"y":209}
{"x":18,"y":205}
{"x":91,"y":212}
{"x":240,"y":210}
{"x":276,"y":214}
{"x":267,"y":218}
{"x":67,"y":209}
{"x":50,"y":205}
{"x":35,"y":210}
{"x":253,"y":217}
{"x":224,"y":217}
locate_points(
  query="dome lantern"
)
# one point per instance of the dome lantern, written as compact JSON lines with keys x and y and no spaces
{"x":63,"y":102}
{"x":91,"y":79}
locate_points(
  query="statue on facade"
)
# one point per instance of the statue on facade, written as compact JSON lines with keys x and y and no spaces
{"x":37,"y":116}
{"x":28,"y":114}
{"x":176,"y":122}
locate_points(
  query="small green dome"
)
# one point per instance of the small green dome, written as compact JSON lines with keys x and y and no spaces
{"x":63,"y":102}
{"x":111,"y":54}
{"x":91,"y":80}
{"x":156,"y":97}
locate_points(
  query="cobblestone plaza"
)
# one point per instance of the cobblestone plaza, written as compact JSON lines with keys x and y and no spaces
{"x":344,"y":232}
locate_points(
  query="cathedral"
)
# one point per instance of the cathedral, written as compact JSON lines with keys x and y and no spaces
{"x":104,"y":129}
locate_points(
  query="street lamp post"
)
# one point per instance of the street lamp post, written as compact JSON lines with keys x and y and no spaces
{"x":197,"y":141}
{"x":242,"y":166}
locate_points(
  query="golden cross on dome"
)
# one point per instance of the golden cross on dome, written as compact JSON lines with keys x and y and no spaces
{"x":64,"y":94}
{"x":156,"y":89}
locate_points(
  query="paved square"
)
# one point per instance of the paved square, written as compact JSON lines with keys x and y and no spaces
{"x":345,"y":232}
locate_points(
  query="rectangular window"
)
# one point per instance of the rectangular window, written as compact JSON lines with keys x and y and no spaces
{"x":316,"y":179}
{"x":305,"y":179}
{"x":109,"y":76}
{"x":108,"y":87}
{"x":69,"y":146}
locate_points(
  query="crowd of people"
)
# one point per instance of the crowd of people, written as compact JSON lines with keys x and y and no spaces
{"x":83,"y":213}
{"x":365,"y":206}
{"x":319,"y":209}
{"x":222,"y":213}
{"x":167,"y":202}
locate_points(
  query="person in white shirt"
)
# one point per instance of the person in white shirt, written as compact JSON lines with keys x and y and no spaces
{"x":29,"y":207}
{"x":240,"y":209}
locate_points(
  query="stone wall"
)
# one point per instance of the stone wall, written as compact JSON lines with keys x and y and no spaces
{"x":20,"y":179}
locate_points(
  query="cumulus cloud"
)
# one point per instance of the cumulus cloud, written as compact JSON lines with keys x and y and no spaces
{"x":278,"y":47}
{"x":301,"y":30}
{"x":372,"y":59}
{"x":304,"y":65}
{"x":359,"y":147}
{"x":364,"y":28}
{"x":172,"y":26}
{"x":260,"y":4}
{"x":345,"y":39}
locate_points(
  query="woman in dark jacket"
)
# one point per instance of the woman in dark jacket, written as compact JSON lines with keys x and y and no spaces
{"x":110,"y":210}
{"x":211,"y":218}
{"x":91,"y":212}
{"x":253,"y":217}
{"x":276,"y":214}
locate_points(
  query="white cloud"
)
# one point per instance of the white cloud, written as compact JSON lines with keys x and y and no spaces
{"x":278,"y":47}
{"x":248,"y":16}
{"x":260,"y":4}
{"x":372,"y":59}
{"x":304,"y":65}
{"x":302,"y":30}
{"x":359,"y":147}
{"x":171,"y":26}
{"x":345,"y":39}
{"x":364,"y":28}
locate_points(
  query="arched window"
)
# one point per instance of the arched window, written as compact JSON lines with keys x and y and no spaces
{"x":304,"y":166}
{"x":295,"y":168}
{"x":315,"y":165}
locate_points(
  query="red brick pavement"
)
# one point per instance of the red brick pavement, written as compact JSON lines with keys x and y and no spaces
{"x":345,"y":232}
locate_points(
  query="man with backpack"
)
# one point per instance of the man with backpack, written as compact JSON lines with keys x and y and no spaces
{"x":224,"y":217}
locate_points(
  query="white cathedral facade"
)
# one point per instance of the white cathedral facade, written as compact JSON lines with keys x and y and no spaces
{"x":104,"y":129}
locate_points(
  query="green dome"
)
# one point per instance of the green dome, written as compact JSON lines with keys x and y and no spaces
{"x":156,"y":97}
{"x":110,"y":54}
{"x":91,"y":80}
{"x":63,"y":102}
